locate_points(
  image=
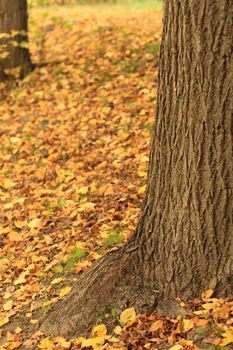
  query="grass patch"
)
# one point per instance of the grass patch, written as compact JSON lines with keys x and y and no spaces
{"x":153,"y":48}
{"x":74,"y":10}
{"x":75,"y":256}
{"x":113,"y":238}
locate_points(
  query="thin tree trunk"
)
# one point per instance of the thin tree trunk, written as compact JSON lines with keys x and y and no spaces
{"x":183,"y":244}
{"x":13,"y":18}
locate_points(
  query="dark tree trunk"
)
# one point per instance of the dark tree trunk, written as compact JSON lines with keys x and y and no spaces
{"x":183,"y":244}
{"x":13,"y":17}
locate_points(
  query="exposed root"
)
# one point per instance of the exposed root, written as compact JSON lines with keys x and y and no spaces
{"x":113,"y":282}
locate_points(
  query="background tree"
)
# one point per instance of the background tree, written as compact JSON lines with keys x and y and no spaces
{"x":13,"y":21}
{"x":183,"y":242}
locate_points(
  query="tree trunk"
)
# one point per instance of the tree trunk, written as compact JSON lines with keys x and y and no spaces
{"x":183,"y":242}
{"x":13,"y":21}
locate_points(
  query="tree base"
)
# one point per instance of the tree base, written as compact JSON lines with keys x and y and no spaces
{"x":112,"y":283}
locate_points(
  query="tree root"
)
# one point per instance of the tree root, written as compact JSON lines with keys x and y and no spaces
{"x":113,"y":282}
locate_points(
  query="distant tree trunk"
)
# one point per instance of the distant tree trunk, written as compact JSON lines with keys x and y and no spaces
{"x":13,"y":17}
{"x":183,"y":244}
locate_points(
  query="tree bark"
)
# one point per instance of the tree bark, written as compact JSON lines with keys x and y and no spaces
{"x":13,"y":17}
{"x":183,"y":243}
{"x":186,"y":229}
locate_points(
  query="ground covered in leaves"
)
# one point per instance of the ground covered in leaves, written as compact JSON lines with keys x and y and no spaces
{"x":75,"y":137}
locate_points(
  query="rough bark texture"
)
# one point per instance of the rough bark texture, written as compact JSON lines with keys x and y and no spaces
{"x":183,"y":244}
{"x":186,"y":230}
{"x":13,"y":16}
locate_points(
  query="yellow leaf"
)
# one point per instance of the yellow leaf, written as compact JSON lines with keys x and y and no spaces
{"x":3,"y":320}
{"x":14,"y":345}
{"x":15,"y":236}
{"x":117,"y":330}
{"x":35,"y":223}
{"x":207,"y":294}
{"x":33,"y":321}
{"x":7,"y":295}
{"x":176,"y":347}
{"x":20,"y":224}
{"x":78,"y":341}
{"x":83,"y":190}
{"x":99,"y":331}
{"x":142,"y":189}
{"x":15,"y":139}
{"x":201,"y":312}
{"x":64,"y":291}
{"x":35,"y":258}
{"x":66,"y":344}
{"x":9,"y":205}
{"x":18,"y":330}
{"x":128,"y":315}
{"x":7,"y":184}
{"x":141,"y":173}
{"x":46,"y":344}
{"x":228,"y":338}
{"x":208,"y":306}
{"x":20,"y":280}
{"x":56,"y":281}
{"x":156,"y":325}
{"x":94,"y":342}
{"x":8,"y":305}
{"x":187,"y":325}
{"x":5,"y":230}
{"x":62,"y":341}
{"x":86,"y":206}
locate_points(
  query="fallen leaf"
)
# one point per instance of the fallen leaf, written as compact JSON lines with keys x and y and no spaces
{"x":64,"y":291}
{"x":128,"y":315}
{"x":46,"y":344}
{"x":117,"y":330}
{"x":142,"y":189}
{"x":35,"y":223}
{"x":228,"y":338}
{"x":207,"y":294}
{"x":156,"y":325}
{"x":56,"y":281}
{"x":20,"y":280}
{"x":187,"y":325}
{"x":176,"y":347}
{"x":99,"y":331}
{"x":3,"y":320}
{"x":8,"y":305}
{"x":94,"y":342}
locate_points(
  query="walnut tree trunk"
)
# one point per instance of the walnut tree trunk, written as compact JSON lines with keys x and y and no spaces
{"x":183,"y":243}
{"x":13,"y":20}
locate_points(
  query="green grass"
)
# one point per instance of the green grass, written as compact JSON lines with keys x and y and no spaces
{"x":153,"y":48}
{"x":121,"y":5}
{"x":143,"y":4}
{"x":113,"y":238}
{"x":74,"y":257}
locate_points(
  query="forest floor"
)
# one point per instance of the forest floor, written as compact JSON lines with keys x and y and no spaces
{"x":75,"y":138}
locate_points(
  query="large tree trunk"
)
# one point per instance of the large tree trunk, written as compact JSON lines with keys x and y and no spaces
{"x":183,"y":244}
{"x":13,"y":17}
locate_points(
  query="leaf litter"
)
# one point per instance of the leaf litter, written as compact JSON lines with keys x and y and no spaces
{"x":75,"y":137}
